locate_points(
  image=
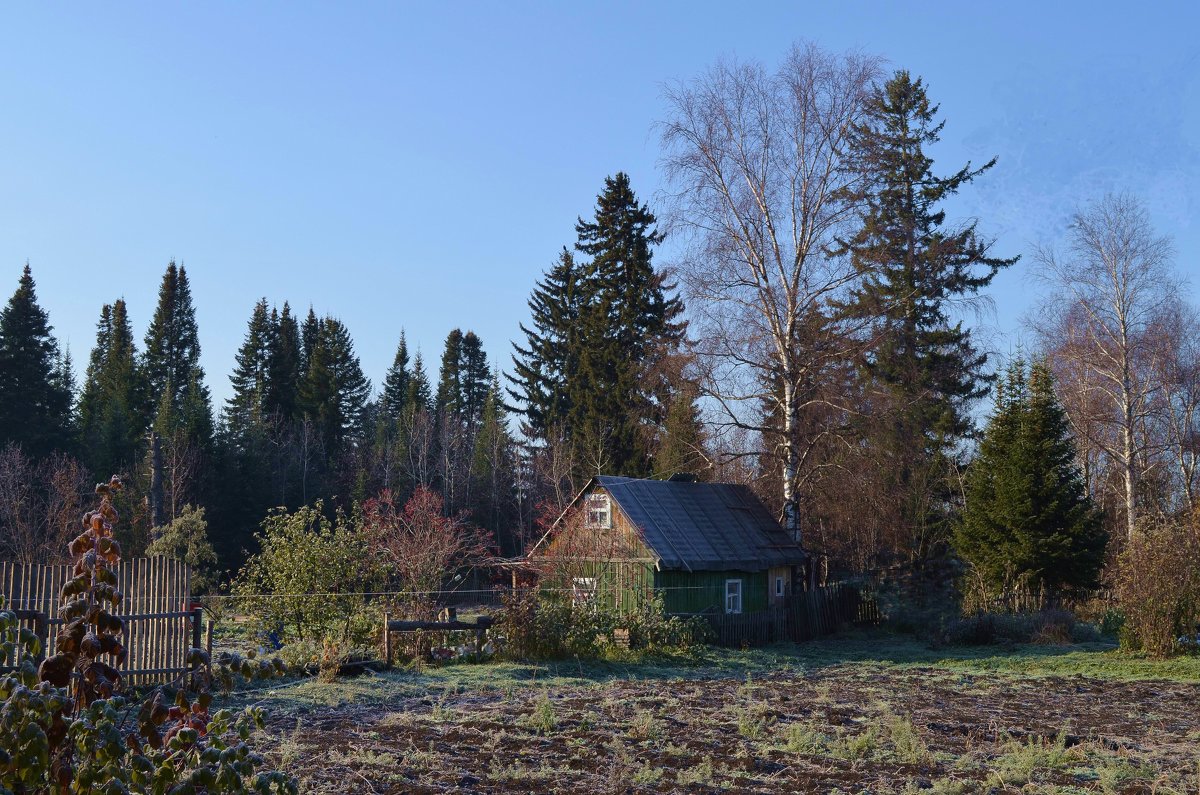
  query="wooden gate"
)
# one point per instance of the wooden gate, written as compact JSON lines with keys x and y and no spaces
{"x":159,"y":625}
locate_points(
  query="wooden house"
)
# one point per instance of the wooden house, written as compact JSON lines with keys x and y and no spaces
{"x":706,"y":547}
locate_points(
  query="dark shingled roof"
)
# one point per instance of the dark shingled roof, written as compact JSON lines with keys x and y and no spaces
{"x":703,"y":526}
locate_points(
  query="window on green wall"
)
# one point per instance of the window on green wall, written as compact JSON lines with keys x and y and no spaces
{"x":733,"y":596}
{"x":583,"y":590}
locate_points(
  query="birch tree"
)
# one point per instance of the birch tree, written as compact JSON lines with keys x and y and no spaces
{"x":758,"y":164}
{"x":1110,"y":294}
{"x":1178,"y":370}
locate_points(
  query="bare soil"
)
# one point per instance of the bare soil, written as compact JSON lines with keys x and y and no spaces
{"x":850,"y":727}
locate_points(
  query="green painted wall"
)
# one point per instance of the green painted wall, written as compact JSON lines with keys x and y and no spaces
{"x":704,"y":591}
{"x":623,"y":585}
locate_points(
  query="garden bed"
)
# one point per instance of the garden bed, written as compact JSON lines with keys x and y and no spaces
{"x":856,"y":715}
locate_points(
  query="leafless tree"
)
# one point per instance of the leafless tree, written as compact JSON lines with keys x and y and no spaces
{"x":1178,"y":370}
{"x":758,"y":162}
{"x":420,"y":463}
{"x":1103,"y":323}
{"x":17,"y":515}
{"x":40,"y":505}
{"x":423,"y":546}
{"x":67,"y":488}
{"x":181,"y":462}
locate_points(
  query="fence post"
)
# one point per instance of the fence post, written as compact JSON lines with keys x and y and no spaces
{"x":196,"y":620}
{"x":387,"y":641}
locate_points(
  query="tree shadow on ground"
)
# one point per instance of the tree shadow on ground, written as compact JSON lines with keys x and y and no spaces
{"x":857,"y":652}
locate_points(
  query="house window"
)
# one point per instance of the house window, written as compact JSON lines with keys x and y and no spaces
{"x":599,"y":512}
{"x":733,"y":596}
{"x":779,"y":586}
{"x":583,"y":590}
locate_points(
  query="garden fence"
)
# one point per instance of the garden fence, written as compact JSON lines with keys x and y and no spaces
{"x":160,"y":624}
{"x":805,"y":616}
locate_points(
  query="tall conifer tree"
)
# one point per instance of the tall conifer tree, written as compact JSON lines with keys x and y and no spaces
{"x":464,"y":379}
{"x":546,"y":365}
{"x":246,"y":409}
{"x":925,"y":364}
{"x":111,"y":404}
{"x":599,"y":329}
{"x":35,"y":404}
{"x":420,"y":394}
{"x":493,"y":470}
{"x":395,"y":384}
{"x":171,"y":362}
{"x":282,"y":399}
{"x":335,"y":390}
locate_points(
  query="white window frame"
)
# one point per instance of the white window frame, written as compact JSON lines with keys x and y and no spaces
{"x":583,"y":590}
{"x":779,"y":586}
{"x":597,"y":511}
{"x":733,"y":600}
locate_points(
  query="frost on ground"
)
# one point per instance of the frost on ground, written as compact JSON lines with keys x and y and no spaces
{"x":854,"y":716}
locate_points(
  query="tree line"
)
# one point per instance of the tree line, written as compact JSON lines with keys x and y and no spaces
{"x":811,"y":339}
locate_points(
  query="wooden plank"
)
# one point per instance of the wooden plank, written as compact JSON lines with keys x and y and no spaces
{"x":158,"y":630}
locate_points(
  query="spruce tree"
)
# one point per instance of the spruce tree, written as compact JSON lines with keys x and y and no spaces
{"x":35,"y":406}
{"x":681,"y":446}
{"x":620,"y":240}
{"x":111,"y":404}
{"x":464,"y":379}
{"x":64,"y":380}
{"x":420,"y":394}
{"x":628,"y":321}
{"x":395,"y":384}
{"x":914,"y":266}
{"x":449,"y":389}
{"x":246,"y":410}
{"x":493,"y":471}
{"x":310,"y":332}
{"x":547,"y":363}
{"x":599,"y":330}
{"x":282,"y":399}
{"x":335,"y":390}
{"x":171,"y":362}
{"x":1028,"y":519}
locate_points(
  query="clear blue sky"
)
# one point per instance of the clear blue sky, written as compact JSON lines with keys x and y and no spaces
{"x":419,"y":166}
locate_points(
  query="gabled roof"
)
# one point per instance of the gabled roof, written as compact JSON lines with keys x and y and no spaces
{"x":702,"y":526}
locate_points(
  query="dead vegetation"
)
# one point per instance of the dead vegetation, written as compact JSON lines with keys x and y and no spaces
{"x":867,"y":726}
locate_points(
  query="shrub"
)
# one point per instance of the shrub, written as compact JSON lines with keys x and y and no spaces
{"x":309,"y":582}
{"x":540,"y":626}
{"x":64,"y":730}
{"x":549,"y":625}
{"x":984,"y":629}
{"x":1053,"y":627}
{"x":185,"y":539}
{"x":1158,"y":583}
{"x":1112,"y":623}
{"x":652,"y":630}
{"x":423,"y":546}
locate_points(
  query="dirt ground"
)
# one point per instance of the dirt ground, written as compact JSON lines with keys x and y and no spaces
{"x":854,"y":726}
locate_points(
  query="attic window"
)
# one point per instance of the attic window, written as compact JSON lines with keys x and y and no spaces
{"x":598,"y":511}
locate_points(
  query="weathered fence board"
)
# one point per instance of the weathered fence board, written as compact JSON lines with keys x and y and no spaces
{"x":159,"y":626}
{"x":806,"y":616}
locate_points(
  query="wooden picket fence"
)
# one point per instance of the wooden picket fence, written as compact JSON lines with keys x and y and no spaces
{"x":159,"y":625}
{"x":806,"y":616}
